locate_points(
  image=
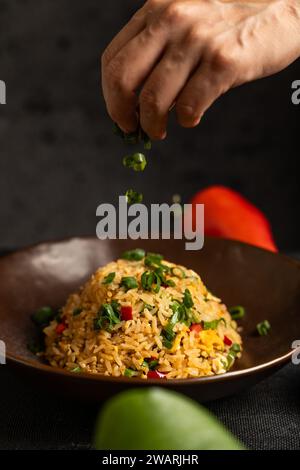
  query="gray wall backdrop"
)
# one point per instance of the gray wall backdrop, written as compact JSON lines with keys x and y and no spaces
{"x":59,"y":159}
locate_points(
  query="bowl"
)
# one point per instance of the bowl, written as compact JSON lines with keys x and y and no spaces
{"x":266,"y":284}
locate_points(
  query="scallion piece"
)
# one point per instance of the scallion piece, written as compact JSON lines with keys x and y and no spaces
{"x":134,"y":255}
{"x":77,"y":311}
{"x":108,"y":316}
{"x":129,"y":373}
{"x":213,"y":325}
{"x":237,"y":312}
{"x":129,"y":282}
{"x":76,"y":369}
{"x":109,"y":278}
{"x":137,"y":161}
{"x":133,"y":197}
{"x":187,"y":299}
{"x":43,"y":316}
{"x":263,"y":328}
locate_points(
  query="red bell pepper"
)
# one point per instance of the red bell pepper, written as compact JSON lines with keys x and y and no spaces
{"x":196,"y":327}
{"x":228,"y":214}
{"x":126,"y":313}
{"x":60,"y":327}
{"x":155,"y":374}
{"x":227,"y":341}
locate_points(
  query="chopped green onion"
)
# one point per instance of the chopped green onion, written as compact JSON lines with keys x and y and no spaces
{"x":237,"y":312}
{"x":133,"y":197}
{"x":109,"y":278}
{"x":137,"y":161}
{"x":182,"y":274}
{"x":263,"y":328}
{"x":129,"y":372}
{"x":169,"y":283}
{"x":134,"y":255}
{"x":145,"y":138}
{"x":213,"y":325}
{"x":37,"y":345}
{"x":148,"y":306}
{"x":129,"y":282}
{"x":77,"y":311}
{"x":43,"y":316}
{"x":108,"y":316}
{"x":235,"y":348}
{"x":76,"y":369}
{"x":147,"y":280}
{"x":150,"y":364}
{"x":233,"y":351}
{"x":153,"y":259}
{"x":187,"y":299}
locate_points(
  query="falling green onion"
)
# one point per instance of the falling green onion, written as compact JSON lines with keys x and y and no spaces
{"x":263,"y":328}
{"x":133,"y":197}
{"x":237,"y":312}
{"x":134,"y":255}
{"x":137,"y":161}
{"x":153,"y":259}
{"x":129,"y":282}
{"x":109,"y":278}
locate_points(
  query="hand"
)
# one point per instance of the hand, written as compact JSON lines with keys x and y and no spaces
{"x":189,"y":52}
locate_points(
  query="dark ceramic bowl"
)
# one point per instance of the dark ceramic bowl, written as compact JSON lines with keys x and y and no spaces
{"x":267,"y":284}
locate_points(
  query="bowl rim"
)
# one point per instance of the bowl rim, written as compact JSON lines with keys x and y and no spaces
{"x":18,"y":360}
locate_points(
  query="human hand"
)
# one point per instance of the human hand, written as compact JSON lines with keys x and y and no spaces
{"x":186,"y":53}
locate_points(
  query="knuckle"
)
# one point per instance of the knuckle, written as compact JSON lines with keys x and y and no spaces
{"x":113,"y":73}
{"x":149,"y":100}
{"x":174,"y":13}
{"x":194,"y":36}
{"x":223,"y":58}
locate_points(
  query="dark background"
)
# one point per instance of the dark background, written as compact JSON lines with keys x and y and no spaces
{"x":59,"y":159}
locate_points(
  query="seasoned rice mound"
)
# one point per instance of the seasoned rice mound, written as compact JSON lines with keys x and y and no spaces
{"x":134,"y":346}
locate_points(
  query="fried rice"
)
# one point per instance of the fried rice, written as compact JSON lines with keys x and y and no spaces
{"x":161,"y":323}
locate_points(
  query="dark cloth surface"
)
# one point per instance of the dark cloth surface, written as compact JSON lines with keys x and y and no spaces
{"x":267,"y":416}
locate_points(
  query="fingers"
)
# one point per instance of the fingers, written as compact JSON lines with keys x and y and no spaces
{"x":211,"y":80}
{"x":130,"y":30}
{"x":125,"y":73}
{"x":163,"y":86}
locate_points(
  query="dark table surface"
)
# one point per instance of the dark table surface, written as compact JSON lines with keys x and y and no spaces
{"x":266,"y":416}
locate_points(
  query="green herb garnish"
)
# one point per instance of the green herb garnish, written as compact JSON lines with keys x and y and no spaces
{"x":134,"y":255}
{"x":263,"y":328}
{"x":233,"y":351}
{"x":77,"y":311}
{"x":108,"y":316}
{"x":153,"y":260}
{"x":187,"y":299}
{"x":213,"y":325}
{"x":137,"y":161}
{"x":182,"y":274}
{"x":42,"y":317}
{"x":151,"y":364}
{"x":133,"y":197}
{"x":129,"y":282}
{"x":130,"y":372}
{"x":76,"y":369}
{"x":109,"y":278}
{"x":237,"y":312}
